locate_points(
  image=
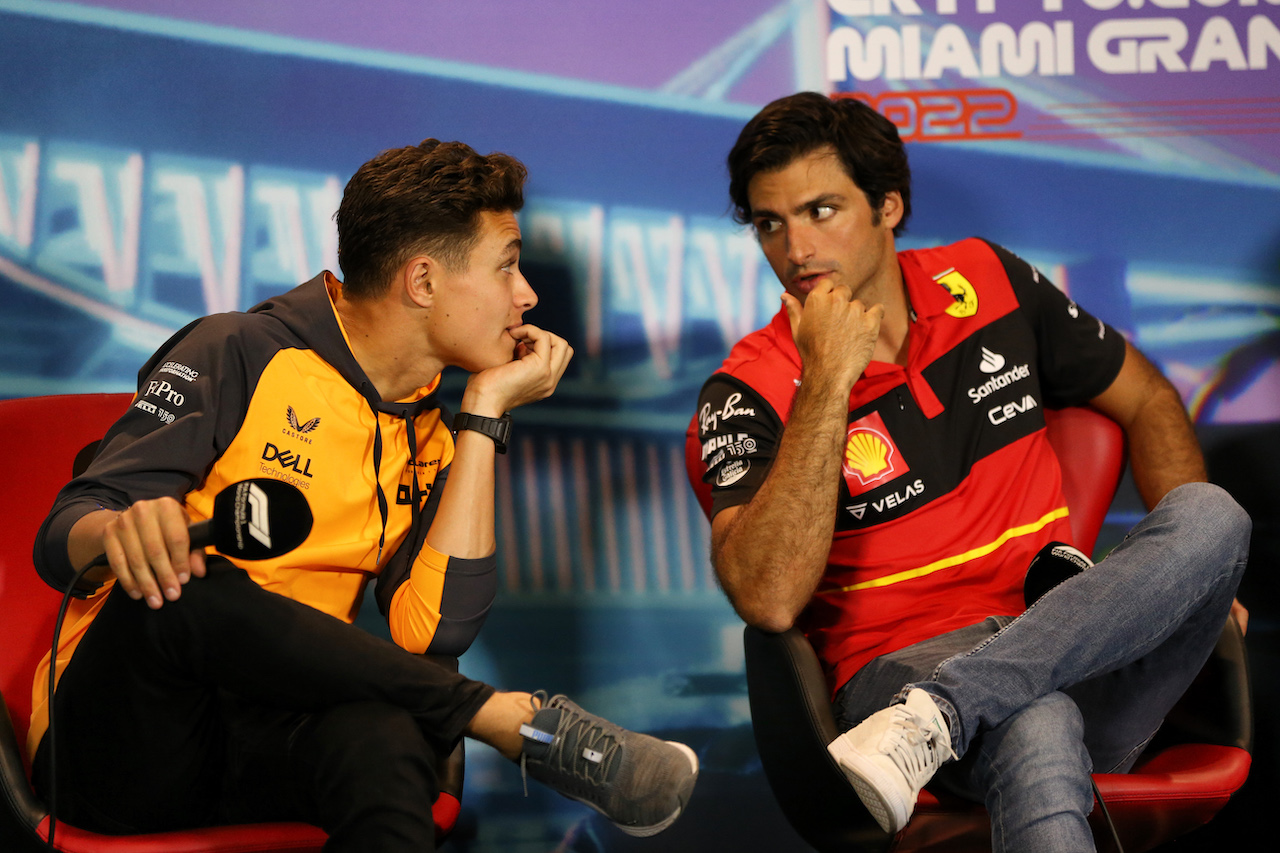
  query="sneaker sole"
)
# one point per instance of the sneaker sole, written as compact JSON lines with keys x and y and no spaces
{"x":646,"y":831}
{"x":870,"y":782}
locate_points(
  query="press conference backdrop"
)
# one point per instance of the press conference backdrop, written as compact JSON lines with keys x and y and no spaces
{"x":160,"y":161}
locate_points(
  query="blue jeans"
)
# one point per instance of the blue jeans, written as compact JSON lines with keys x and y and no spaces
{"x":1082,"y":679}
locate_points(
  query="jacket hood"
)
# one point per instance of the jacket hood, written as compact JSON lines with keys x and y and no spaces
{"x":308,"y":312}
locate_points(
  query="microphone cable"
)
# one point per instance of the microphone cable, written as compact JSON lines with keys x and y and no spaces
{"x":1111,"y":824}
{"x":53,"y":668}
{"x":244,"y":528}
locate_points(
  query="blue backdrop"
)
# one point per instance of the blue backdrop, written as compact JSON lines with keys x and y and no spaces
{"x":158,"y":163}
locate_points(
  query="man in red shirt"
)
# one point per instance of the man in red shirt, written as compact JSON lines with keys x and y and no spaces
{"x":881,"y":478}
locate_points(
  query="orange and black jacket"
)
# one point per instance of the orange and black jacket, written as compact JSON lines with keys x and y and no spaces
{"x":275,"y":392}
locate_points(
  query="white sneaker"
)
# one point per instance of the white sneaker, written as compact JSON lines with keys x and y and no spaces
{"x":892,"y":754}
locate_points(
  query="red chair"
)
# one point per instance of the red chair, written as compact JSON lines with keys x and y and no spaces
{"x":39,"y":439}
{"x":1200,"y":759}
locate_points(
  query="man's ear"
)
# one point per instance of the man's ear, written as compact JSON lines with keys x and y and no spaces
{"x":891,"y":209}
{"x":418,"y":280}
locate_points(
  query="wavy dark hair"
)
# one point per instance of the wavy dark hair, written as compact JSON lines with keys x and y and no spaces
{"x":420,"y":199}
{"x":868,"y":144}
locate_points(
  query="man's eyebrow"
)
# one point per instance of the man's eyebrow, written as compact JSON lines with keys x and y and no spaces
{"x":808,"y":204}
{"x":819,"y":201}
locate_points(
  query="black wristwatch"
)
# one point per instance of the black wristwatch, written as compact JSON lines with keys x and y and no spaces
{"x":499,"y":429}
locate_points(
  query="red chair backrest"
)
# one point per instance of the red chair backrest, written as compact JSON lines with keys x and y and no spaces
{"x":39,"y":440}
{"x":1089,"y":445}
{"x":1091,"y":450}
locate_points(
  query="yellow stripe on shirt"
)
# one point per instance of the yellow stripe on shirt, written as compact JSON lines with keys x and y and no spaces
{"x":948,"y":562}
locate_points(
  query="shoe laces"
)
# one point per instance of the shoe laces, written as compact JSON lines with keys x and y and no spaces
{"x":916,"y":748}
{"x":596,"y":749}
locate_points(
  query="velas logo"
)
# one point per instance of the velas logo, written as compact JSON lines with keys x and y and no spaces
{"x":870,"y":456}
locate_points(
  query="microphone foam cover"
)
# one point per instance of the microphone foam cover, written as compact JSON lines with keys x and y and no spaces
{"x":260,"y":519}
{"x":1052,"y":565}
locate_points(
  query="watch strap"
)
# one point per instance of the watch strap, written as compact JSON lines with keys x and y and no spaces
{"x":498,"y":429}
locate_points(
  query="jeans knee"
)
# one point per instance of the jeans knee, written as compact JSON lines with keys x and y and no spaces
{"x":1053,"y":719}
{"x":1034,"y":772}
{"x":1236,"y":525}
{"x":1228,"y":523}
{"x":1040,"y":743}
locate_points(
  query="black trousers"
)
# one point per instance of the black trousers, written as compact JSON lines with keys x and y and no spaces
{"x":234,"y":704}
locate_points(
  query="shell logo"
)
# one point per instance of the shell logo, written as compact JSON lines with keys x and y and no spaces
{"x":868,"y":455}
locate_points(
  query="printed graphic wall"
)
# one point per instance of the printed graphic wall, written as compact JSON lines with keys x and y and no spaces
{"x":160,"y":160}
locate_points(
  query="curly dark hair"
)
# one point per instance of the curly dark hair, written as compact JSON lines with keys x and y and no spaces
{"x":423,"y":198}
{"x":867,"y":143}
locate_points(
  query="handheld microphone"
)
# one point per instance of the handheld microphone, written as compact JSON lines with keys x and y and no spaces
{"x":254,"y":519}
{"x":1052,"y":565}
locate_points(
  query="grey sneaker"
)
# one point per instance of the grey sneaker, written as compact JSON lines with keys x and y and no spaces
{"x":892,"y":754}
{"x":637,"y":781}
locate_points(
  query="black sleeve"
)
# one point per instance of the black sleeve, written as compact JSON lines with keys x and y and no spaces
{"x":1079,"y":356}
{"x":190,"y":402}
{"x":739,"y":433}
